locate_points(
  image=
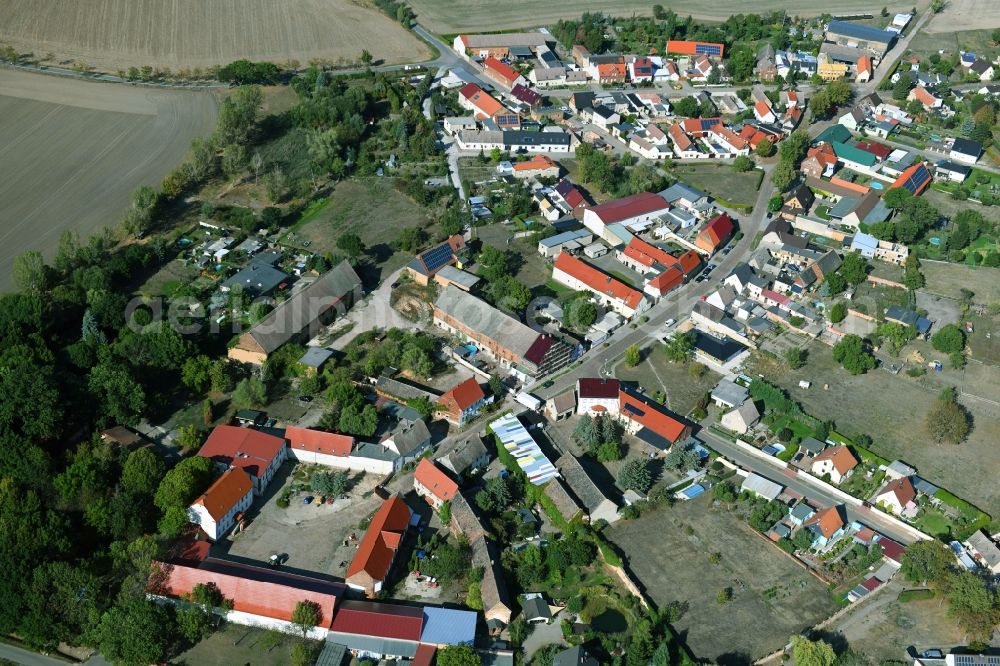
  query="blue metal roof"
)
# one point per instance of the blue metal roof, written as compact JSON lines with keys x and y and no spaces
{"x":448,"y":626}
{"x":864,"y":32}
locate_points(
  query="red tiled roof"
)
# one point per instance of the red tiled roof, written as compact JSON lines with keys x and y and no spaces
{"x":539,"y":348}
{"x":505,"y":72}
{"x":682,"y":140}
{"x":484,"y":103}
{"x":611,"y":70}
{"x":368,"y":618}
{"x":699,"y":126}
{"x":774,"y":296}
{"x":650,"y":415}
{"x":424,"y":655}
{"x":762,"y":108}
{"x":667,"y":280}
{"x":251,"y":589}
{"x":463,"y":395}
{"x":317,"y":441}
{"x":648,"y":254}
{"x":226,"y":492}
{"x":593,"y":387}
{"x":689,"y":261}
{"x":631,"y":206}
{"x":598,"y":280}
{"x":378,"y":545}
{"x":525,"y":94}
{"x":717,"y":230}
{"x":871,"y":584}
{"x":864,"y":535}
{"x":250,"y":449}
{"x":910,"y":176}
{"x":923,"y":96}
{"x":828,"y":520}
{"x":864,"y":64}
{"x":729,"y":136}
{"x":434,"y":480}
{"x":570,"y":194}
{"x":536,"y":162}
{"x":841,"y":457}
{"x":902,"y":488}
{"x":824,"y":154}
{"x":879,"y":150}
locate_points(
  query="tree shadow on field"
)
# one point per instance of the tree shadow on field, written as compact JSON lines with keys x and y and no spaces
{"x":734,"y":659}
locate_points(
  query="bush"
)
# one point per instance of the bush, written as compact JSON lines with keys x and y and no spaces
{"x":916,"y":595}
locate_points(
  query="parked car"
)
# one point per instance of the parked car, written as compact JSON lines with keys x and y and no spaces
{"x":670,"y":322}
{"x":308,"y":499}
{"x":270,"y":423}
{"x":305,"y":398}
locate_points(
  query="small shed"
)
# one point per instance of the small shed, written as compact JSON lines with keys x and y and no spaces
{"x":314,"y":358}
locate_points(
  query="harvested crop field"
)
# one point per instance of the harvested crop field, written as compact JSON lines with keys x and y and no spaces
{"x":110,"y":34}
{"x":966,"y":15}
{"x":73,"y":151}
{"x":772,"y":597}
{"x":449,"y":16}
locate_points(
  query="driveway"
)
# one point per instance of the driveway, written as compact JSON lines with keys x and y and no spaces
{"x":374,"y":312}
{"x":542,"y":635}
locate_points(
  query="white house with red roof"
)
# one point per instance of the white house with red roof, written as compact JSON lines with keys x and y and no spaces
{"x":763,"y":112}
{"x":610,"y":291}
{"x":899,"y":497}
{"x":837,"y":461}
{"x":216,"y":510}
{"x":637,"y":210}
{"x":502,"y":73}
{"x":640,"y":70}
{"x":485,"y":106}
{"x":431,"y":483}
{"x":317,"y":447}
{"x":461,"y":404}
{"x":650,"y":421}
{"x":597,"y":396}
{"x":726,"y":142}
{"x":257,"y":453}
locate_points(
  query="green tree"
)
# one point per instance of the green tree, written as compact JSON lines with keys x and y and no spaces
{"x":458,"y":655}
{"x":795,"y":358}
{"x":678,"y":348}
{"x":635,"y":475}
{"x":238,"y":115}
{"x":587,"y":432}
{"x":366,"y":57}
{"x":765,"y":148}
{"x":580,"y":313}
{"x":518,"y":630}
{"x":633,"y":356}
{"x":179,"y":487}
{"x":775,"y":203}
{"x":834,"y":284}
{"x":332,"y":484}
{"x":912,"y":277}
{"x":359,"y":421}
{"x":30,"y":272}
{"x":803,"y":539}
{"x":609,"y":452}
{"x":743,"y":164}
{"x":973,"y":604}
{"x":351,"y":245}
{"x":135,"y":633}
{"x":250,"y":392}
{"x":495,"y":495}
{"x":306,"y":616}
{"x":196,"y":373}
{"x":838,"y":312}
{"x":946,"y":420}
{"x":812,"y":653}
{"x":510,"y":294}
{"x":896,"y":197}
{"x":852,"y":353}
{"x":783,"y":175}
{"x":948,"y":339}
{"x":854,"y":268}
{"x":142,"y":472}
{"x":121,"y":397}
{"x":926,"y":562}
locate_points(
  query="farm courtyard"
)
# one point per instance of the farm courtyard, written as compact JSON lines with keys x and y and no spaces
{"x":668,"y":551}
{"x":73,"y":151}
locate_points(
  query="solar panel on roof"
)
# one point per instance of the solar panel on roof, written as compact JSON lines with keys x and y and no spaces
{"x":634,"y":410}
{"x":437,"y":257}
{"x":917,"y":179}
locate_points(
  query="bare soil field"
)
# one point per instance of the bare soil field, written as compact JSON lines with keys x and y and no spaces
{"x":73,"y":151}
{"x":773,"y":597}
{"x":965,"y":15}
{"x":449,"y":16}
{"x":948,"y":279}
{"x":110,"y":34}
{"x":891,"y":408}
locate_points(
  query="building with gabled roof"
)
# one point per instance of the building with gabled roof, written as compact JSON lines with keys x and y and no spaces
{"x":761,"y":486}
{"x":377,"y":629}
{"x":428,"y":263}
{"x":597,"y":395}
{"x":469,"y":454}
{"x":501,"y":73}
{"x":635,"y":209}
{"x":260,"y":596}
{"x":486,"y":107}
{"x":506,"y":339}
{"x":377,"y":549}
{"x":685,"y":47}
{"x":463,"y":401}
{"x":499,"y":45}
{"x":925,"y":97}
{"x":574,"y":656}
{"x":715,"y":233}
{"x":837,"y":461}
{"x":826,"y":524}
{"x":257,"y":453}
{"x":651,"y":422}
{"x":610,"y":291}
{"x":985,"y":551}
{"x":216,"y":510}
{"x":741,"y":418}
{"x":318,"y":447}
{"x":497,"y":609}
{"x":876,"y":41}
{"x":915,"y":179}
{"x":565,"y":503}
{"x":898,"y":496}
{"x":593,"y":499}
{"x":432,"y":484}
{"x":301,"y":316}
{"x":519,"y":443}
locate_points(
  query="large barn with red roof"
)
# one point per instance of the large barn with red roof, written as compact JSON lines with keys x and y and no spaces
{"x":377,"y":550}
{"x":610,"y":291}
{"x":257,"y":453}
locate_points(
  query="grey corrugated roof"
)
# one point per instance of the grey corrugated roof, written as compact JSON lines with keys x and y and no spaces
{"x":315,"y":356}
{"x":332,"y":654}
{"x":408,"y":439}
{"x":374,"y":644}
{"x":458,"y":276}
{"x":762,"y":486}
{"x":305,"y":307}
{"x":859,"y":31}
{"x":486,"y":319}
{"x":467,"y":451}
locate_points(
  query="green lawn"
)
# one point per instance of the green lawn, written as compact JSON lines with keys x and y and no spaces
{"x":723,"y":183}
{"x":934,"y":522}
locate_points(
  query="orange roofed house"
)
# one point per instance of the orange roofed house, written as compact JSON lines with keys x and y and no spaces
{"x":426,"y":265}
{"x":377,"y":550}
{"x":463,"y":402}
{"x":610,"y":291}
{"x":483,"y":105}
{"x":260,"y":597}
{"x":837,"y":461}
{"x":715,"y":233}
{"x":216,"y":510}
{"x":539,"y":166}
{"x":650,"y":421}
{"x":318,"y":447}
{"x":432,"y":484}
{"x":501,"y":73}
